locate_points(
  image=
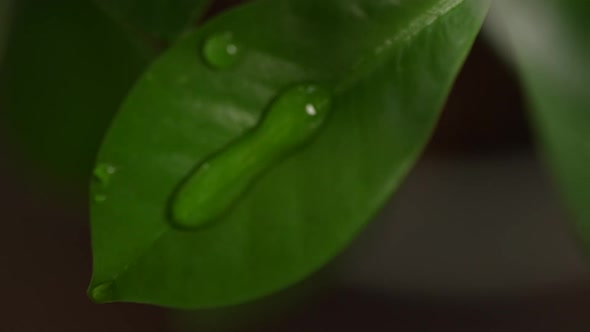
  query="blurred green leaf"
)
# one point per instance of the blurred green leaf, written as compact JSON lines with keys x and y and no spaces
{"x":67,"y":68}
{"x":164,"y":19}
{"x":551,"y":39}
{"x":389,"y":65}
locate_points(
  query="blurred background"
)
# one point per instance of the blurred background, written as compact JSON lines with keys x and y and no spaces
{"x":476,"y":239}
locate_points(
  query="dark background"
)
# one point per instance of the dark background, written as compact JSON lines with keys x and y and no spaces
{"x":475,"y":240}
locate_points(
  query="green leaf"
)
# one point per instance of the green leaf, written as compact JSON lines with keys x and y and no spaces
{"x":388,"y":65}
{"x":67,"y":69}
{"x":164,"y":19}
{"x":551,"y":39}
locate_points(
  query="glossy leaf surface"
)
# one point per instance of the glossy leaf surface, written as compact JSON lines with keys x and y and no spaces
{"x":388,"y":65}
{"x":67,"y":68}
{"x":161,"y":18}
{"x":552,"y":43}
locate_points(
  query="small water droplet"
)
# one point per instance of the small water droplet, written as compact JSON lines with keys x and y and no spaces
{"x":103,"y":292}
{"x":221,"y":51}
{"x":214,"y":187}
{"x":103,"y":173}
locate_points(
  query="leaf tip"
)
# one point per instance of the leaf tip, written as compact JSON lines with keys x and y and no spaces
{"x":102,"y":293}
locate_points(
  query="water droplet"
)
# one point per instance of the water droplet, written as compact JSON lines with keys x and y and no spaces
{"x":221,"y":51}
{"x":101,"y":293}
{"x":217,"y":184}
{"x":103,"y":173}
